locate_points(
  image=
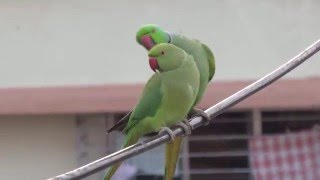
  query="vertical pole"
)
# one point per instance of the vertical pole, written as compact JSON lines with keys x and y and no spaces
{"x":257,"y":122}
{"x":256,"y":127}
{"x":90,"y":140}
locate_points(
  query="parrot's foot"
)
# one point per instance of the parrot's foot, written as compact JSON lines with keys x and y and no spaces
{"x":185,"y":125}
{"x":195,"y":111}
{"x":169,"y":132}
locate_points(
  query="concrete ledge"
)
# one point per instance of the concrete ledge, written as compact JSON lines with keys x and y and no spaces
{"x":284,"y":94}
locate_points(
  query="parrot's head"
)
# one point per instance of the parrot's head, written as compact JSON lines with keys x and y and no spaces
{"x":166,"y":57}
{"x":150,"y":35}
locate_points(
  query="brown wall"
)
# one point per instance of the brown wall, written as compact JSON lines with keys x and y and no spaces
{"x":283,"y":94}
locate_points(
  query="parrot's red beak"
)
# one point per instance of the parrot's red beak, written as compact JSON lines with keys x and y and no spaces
{"x":153,"y":62}
{"x":147,"y":41}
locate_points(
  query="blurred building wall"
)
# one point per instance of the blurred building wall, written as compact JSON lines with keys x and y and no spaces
{"x":93,"y":42}
{"x":43,"y":146}
{"x":47,"y":43}
{"x":36,"y":147}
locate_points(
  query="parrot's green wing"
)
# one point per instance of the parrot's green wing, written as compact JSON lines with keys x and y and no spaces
{"x":148,"y":104}
{"x":121,"y":124}
{"x":211,"y":61}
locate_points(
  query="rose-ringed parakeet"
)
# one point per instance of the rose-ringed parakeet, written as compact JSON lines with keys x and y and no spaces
{"x":167,"y":97}
{"x":150,"y":35}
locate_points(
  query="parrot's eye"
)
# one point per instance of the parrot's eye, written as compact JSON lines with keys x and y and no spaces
{"x":162,"y":52}
{"x":153,"y":30}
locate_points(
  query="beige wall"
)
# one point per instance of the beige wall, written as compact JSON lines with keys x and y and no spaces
{"x":92,"y":42}
{"x":36,"y":147}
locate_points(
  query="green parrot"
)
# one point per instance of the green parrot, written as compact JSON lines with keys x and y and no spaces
{"x":167,"y":97}
{"x":150,"y":35}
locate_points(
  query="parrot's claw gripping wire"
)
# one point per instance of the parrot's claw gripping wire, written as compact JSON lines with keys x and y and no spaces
{"x":185,"y":125}
{"x":168,"y":131}
{"x":205,"y":116}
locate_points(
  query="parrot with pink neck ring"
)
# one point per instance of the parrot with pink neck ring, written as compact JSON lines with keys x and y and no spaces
{"x":150,"y":35}
{"x":167,"y":97}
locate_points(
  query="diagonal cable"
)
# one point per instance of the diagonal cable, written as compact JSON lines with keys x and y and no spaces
{"x":196,"y":122}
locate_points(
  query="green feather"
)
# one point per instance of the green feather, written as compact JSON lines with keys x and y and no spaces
{"x":148,"y":104}
{"x":211,"y":61}
{"x":172,"y":156}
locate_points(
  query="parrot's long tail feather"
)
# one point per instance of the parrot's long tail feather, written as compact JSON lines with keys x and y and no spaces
{"x":130,"y":139}
{"x":172,"y":156}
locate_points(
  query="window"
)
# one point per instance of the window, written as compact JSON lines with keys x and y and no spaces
{"x":220,"y":150}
